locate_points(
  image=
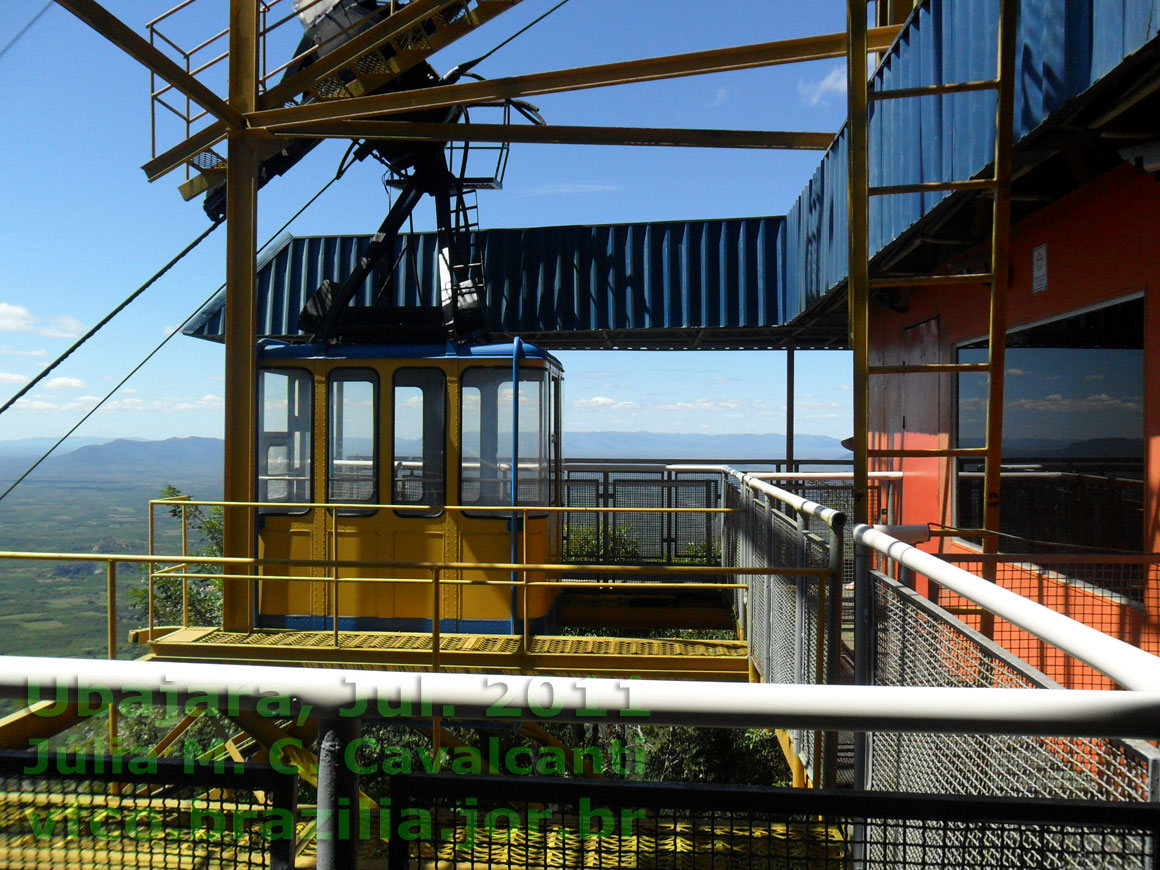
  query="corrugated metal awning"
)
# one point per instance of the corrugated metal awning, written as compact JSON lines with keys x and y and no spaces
{"x":673,"y":284}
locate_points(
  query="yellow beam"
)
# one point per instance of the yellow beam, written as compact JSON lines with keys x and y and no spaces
{"x":138,"y":48}
{"x":858,"y":284}
{"x":18,"y":729}
{"x":579,"y":78}
{"x":557,"y":134}
{"x":390,"y":27}
{"x":240,"y":315}
{"x":365,"y":42}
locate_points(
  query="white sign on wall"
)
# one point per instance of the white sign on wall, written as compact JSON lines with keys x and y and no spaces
{"x":1039,"y":269}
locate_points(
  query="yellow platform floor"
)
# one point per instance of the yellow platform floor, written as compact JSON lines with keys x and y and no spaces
{"x":675,"y":658}
{"x":659,"y":845}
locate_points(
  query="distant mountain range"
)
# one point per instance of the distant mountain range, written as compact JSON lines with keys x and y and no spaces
{"x":182,"y":457}
{"x":173,"y":458}
{"x":667,"y":445}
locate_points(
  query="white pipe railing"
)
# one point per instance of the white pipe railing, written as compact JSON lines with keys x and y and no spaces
{"x":351,"y":694}
{"x":1130,"y":666}
{"x":827,"y":515}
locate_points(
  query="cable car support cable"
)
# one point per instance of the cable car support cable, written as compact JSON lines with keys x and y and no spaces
{"x":163,"y":342}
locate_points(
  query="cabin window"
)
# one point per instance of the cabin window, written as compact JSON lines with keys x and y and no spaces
{"x":284,"y":434}
{"x":1073,"y":434}
{"x":420,"y":417}
{"x":352,"y":436}
{"x":487,"y":443}
{"x":556,"y":440}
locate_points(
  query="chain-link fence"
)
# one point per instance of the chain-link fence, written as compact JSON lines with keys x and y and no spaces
{"x":793,"y":627}
{"x":529,"y":822}
{"x":918,"y":643}
{"x":62,"y":809}
{"x":1103,"y":591}
{"x":655,"y":536}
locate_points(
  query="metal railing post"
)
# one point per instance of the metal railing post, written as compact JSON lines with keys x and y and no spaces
{"x":111,"y":582}
{"x":184,"y":569}
{"x":799,"y":617}
{"x":338,"y":794}
{"x":863,"y":651}
{"x":436,"y":618}
{"x":833,"y":647}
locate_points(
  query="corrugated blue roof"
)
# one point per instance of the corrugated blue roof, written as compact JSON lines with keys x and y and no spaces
{"x":1064,"y":47}
{"x":694,"y":275}
{"x":731,"y":280}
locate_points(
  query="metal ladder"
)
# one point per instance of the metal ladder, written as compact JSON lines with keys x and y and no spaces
{"x":860,"y":96}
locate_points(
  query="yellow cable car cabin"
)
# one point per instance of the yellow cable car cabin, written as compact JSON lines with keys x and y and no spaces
{"x":412,"y":448}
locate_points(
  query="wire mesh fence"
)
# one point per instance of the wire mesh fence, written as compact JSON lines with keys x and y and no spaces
{"x":1105,"y":591}
{"x":793,"y":634}
{"x":646,"y":537}
{"x":918,"y":643}
{"x":536,"y":822}
{"x":62,"y":809}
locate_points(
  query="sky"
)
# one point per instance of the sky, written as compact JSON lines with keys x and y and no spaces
{"x":83,"y":228}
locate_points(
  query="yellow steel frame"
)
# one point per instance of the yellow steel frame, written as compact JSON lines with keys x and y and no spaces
{"x":860,"y":282}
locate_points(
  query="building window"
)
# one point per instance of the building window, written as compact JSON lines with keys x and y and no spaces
{"x":1073,"y":433}
{"x":284,"y":434}
{"x":352,"y":439}
{"x":420,"y":400}
{"x":486,"y":437}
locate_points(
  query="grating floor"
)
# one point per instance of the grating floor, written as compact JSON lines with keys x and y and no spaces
{"x":660,"y":845}
{"x":661,"y":658}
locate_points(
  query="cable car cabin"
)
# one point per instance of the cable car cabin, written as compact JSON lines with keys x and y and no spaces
{"x":391,"y":436}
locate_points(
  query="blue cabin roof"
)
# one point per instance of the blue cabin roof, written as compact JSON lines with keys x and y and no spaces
{"x":449,"y":350}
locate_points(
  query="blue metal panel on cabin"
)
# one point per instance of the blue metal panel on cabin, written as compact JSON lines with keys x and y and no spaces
{"x":694,"y":274}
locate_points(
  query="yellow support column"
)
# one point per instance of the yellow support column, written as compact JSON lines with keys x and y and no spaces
{"x":1000,"y":279}
{"x":240,"y":373}
{"x":858,"y":282}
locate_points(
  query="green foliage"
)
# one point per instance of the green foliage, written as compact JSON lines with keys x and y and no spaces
{"x":588,"y":545}
{"x":698,"y":553}
{"x":207,"y":538}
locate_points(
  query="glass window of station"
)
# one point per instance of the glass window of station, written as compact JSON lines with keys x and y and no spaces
{"x":284,"y":435}
{"x":488,"y":447}
{"x":1073,"y":434}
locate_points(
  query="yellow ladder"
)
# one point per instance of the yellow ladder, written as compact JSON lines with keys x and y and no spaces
{"x":861,"y":283}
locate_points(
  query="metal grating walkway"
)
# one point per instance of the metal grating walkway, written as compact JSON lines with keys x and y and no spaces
{"x":663,"y":658}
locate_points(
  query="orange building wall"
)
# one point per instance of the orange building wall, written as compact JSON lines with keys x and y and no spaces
{"x":1103,"y":243}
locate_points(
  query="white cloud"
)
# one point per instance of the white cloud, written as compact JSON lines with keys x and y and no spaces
{"x":37,"y":405}
{"x":843,"y":388}
{"x":61,"y":327}
{"x":701,"y":404}
{"x":717,"y":379}
{"x":63,"y":383}
{"x":1016,"y":372}
{"x":565,"y":188}
{"x":12,"y":378}
{"x":17,"y":318}
{"x":1099,"y":402}
{"x":11,"y":351}
{"x":604,"y":403}
{"x":209,"y":400}
{"x":817,"y":91}
{"x":719,"y":98}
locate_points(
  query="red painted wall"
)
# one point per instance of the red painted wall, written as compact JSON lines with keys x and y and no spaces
{"x":1103,"y":244}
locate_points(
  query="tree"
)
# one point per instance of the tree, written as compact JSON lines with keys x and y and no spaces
{"x":207,"y":538}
